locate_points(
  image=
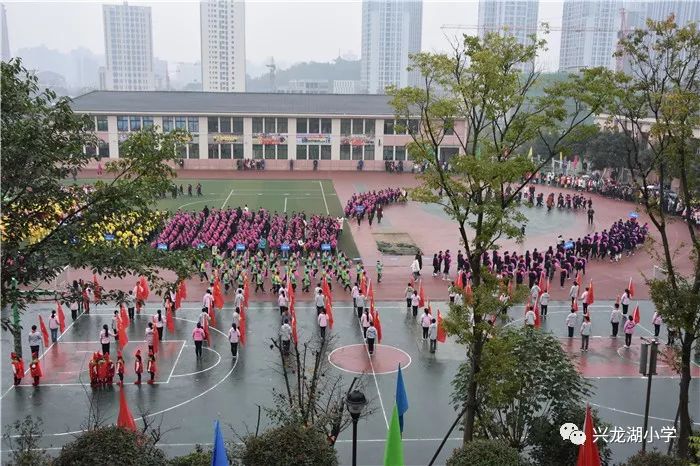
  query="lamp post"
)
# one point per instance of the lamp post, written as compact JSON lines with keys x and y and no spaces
{"x":355,"y":401}
{"x":647,"y":366}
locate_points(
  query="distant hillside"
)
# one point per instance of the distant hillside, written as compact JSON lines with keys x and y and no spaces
{"x":338,"y":69}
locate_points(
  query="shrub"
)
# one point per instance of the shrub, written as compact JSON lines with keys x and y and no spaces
{"x":484,"y":453}
{"x":110,"y":445}
{"x":655,"y":458}
{"x":289,"y":444}
{"x":197,"y":457}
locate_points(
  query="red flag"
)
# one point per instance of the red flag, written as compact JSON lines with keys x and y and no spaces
{"x":469,"y":292}
{"x":590,"y":298}
{"x":636,"y":317}
{"x":44,"y":332}
{"x":294,"y":330}
{"x":178,"y":298}
{"x":370,"y":293}
{"x":156,"y":340}
{"x":121,"y":331}
{"x":430,"y":309}
{"x":61,"y":317}
{"x":588,"y":452}
{"x":574,"y":305}
{"x":246,"y":290}
{"x":241,"y":327}
{"x":329,"y":311}
{"x":542,"y":283}
{"x":536,"y":309}
{"x":169,"y":319}
{"x":327,"y":291}
{"x":125,"y":420}
{"x":123,"y":315}
{"x":578,"y":278}
{"x":441,"y":333}
{"x":144,"y":286}
{"x":182,"y":289}
{"x":363,"y":284}
{"x":218,"y":296}
{"x":378,"y":326}
{"x":630,"y":287}
{"x":290,"y":293}
{"x":421,"y":295}
{"x":97,"y":290}
{"x":206,"y":331}
{"x":459,"y":284}
{"x":212,"y":315}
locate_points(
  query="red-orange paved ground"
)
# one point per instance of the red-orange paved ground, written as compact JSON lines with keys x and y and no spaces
{"x":431,"y":231}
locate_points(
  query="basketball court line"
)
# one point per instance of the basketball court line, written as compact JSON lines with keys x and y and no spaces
{"x":374,"y":375}
{"x":410,"y":360}
{"x":323,"y":193}
{"x":229,"y":197}
{"x":176,"y":360}
{"x":203,"y":370}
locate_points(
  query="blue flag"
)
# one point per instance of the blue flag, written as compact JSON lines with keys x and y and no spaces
{"x":401,"y":398}
{"x":218,"y":455}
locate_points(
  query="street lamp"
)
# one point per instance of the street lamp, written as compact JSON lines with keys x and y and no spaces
{"x":355,"y":401}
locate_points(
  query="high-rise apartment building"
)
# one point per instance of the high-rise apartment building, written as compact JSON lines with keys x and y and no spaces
{"x":684,"y":11}
{"x":222,"y":27}
{"x":128,"y":48}
{"x":5,"y":37}
{"x":589,"y":34}
{"x":391,"y":30}
{"x":517,"y":18}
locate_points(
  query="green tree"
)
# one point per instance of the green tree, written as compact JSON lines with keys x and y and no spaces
{"x":110,"y":445}
{"x":480,"y":82}
{"x":657,"y":107}
{"x":484,"y":453}
{"x":197,"y":457}
{"x":289,"y":444}
{"x":23,"y":438}
{"x":47,"y":225}
{"x":654,"y":459}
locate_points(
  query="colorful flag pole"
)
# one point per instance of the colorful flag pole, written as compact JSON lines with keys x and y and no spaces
{"x":401,"y":398}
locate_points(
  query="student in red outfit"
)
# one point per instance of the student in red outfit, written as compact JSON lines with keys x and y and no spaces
{"x":17,"y":368}
{"x":138,"y":367}
{"x":121,"y":366}
{"x":151,"y":368}
{"x":35,"y":369}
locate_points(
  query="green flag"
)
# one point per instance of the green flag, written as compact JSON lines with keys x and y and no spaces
{"x":393,"y":450}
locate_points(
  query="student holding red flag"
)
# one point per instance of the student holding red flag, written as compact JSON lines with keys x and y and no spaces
{"x":151,"y":367}
{"x":44,"y":332}
{"x":625,"y":301}
{"x":35,"y":369}
{"x":218,"y":295}
{"x":34,"y":339}
{"x":441,"y":333}
{"x":17,"y":368}
{"x":169,"y":319}
{"x":61,"y":317}
{"x":378,"y":326}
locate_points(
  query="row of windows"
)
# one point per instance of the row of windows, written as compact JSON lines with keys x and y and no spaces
{"x":356,"y":126}
{"x":133,"y":123}
{"x":314,"y":125}
{"x":269,"y":125}
{"x":349,"y":152}
{"x":314,"y":152}
{"x":270,"y":151}
{"x":225,"y":125}
{"x":97,"y":122}
{"x":191,"y":124}
{"x":225,"y":151}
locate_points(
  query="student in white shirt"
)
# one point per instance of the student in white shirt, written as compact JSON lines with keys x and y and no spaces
{"x":425,"y":320}
{"x":355,"y":293}
{"x":234,"y":336}
{"x":530,"y":318}
{"x":656,"y":320}
{"x":544,"y":302}
{"x":53,"y":326}
{"x":585,"y":332}
{"x":238,"y":300}
{"x":571,"y":323}
{"x":432,"y":335}
{"x":584,"y":300}
{"x":159,"y":322}
{"x":105,"y":339}
{"x":625,"y":301}
{"x":282,"y":301}
{"x":534,"y":293}
{"x":285,"y":336}
{"x":322,"y":323}
{"x":320,"y":302}
{"x":371,"y":337}
{"x":237,"y":317}
{"x":208,"y":299}
{"x":415,"y":302}
{"x":365,"y":321}
{"x":615,"y":318}
{"x":360,"y":304}
{"x":149,"y":336}
{"x":573,"y":292}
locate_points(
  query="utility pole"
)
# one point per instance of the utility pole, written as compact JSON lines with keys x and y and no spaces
{"x":647,"y":366}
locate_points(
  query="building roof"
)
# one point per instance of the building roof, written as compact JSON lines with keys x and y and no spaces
{"x":243,"y":103}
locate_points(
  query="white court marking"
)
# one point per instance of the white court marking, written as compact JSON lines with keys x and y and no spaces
{"x":227,"y":198}
{"x":410,"y":360}
{"x":323,"y":193}
{"x":374,"y":375}
{"x":199,"y":202}
{"x":203,"y":370}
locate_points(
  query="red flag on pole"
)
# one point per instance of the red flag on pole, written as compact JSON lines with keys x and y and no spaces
{"x":588,"y":452}
{"x":97,"y":290}
{"x":61,"y":317}
{"x":542,"y":283}
{"x":469,"y":292}
{"x":636,"y":317}
{"x":327,"y":291}
{"x":421,"y":295}
{"x":536,"y":309}
{"x":246,"y":290}
{"x":125,"y":420}
{"x":178,"y":299}
{"x":370,"y":293}
{"x":590,"y":298}
{"x":123,"y":315}
{"x":294,"y":330}
{"x":574,"y":305}
{"x":290,"y":293}
{"x":441,"y":333}
{"x":156,"y":340}
{"x":212,"y":315}
{"x":121,"y":331}
{"x":630,"y":287}
{"x":378,"y":326}
{"x":459,"y":283}
{"x":182,"y":289}
{"x":44,"y":332}
{"x":329,"y":311}
{"x":241,"y":327}
{"x":579,"y":278}
{"x":206,"y":331}
{"x":218,"y":295}
{"x":144,"y":286}
{"x":169,"y":319}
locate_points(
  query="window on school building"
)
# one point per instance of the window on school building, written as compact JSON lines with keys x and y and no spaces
{"x":446,"y":153}
{"x":237,"y":126}
{"x":257,"y":151}
{"x":213,"y":151}
{"x":103,"y":149}
{"x":168,"y":124}
{"x":325,"y":152}
{"x":237,"y":151}
{"x":122,"y":123}
{"x":402,"y":126}
{"x":314,"y":152}
{"x":147,"y":122}
{"x":135,"y":123}
{"x":356,"y":126}
{"x":213,"y":125}
{"x":102,"y":123}
{"x":345,"y":151}
{"x":449,"y":127}
{"x":180,"y":122}
{"x":388,"y":152}
{"x":193,"y":149}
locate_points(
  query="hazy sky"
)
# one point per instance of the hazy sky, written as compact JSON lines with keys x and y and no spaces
{"x":291,"y":31}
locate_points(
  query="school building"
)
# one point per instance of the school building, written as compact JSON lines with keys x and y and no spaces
{"x":337,"y":130}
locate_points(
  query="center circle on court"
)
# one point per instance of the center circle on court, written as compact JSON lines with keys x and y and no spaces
{"x":355,"y":359}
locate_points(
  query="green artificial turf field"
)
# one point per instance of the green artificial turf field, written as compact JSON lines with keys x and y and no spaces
{"x":310,"y":196}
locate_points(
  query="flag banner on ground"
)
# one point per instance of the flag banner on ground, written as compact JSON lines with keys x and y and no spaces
{"x":156,"y":340}
{"x":123,"y":314}
{"x":393,"y":449}
{"x":630,"y":287}
{"x":123,"y":338}
{"x":183,"y":289}
{"x":218,"y":453}
{"x":421,"y":295}
{"x":536,"y":310}
{"x":636,"y":316}
{"x":212,"y":315}
{"x":590,"y":297}
{"x":61,"y":317}
{"x":327,"y":291}
{"x":44,"y":332}
{"x":588,"y":454}
{"x":441,"y":333}
{"x":542,"y":283}
{"x":218,"y":295}
{"x":363,"y":284}
{"x":97,"y":290}
{"x":329,"y":311}
{"x":125,"y":420}
{"x":401,"y":398}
